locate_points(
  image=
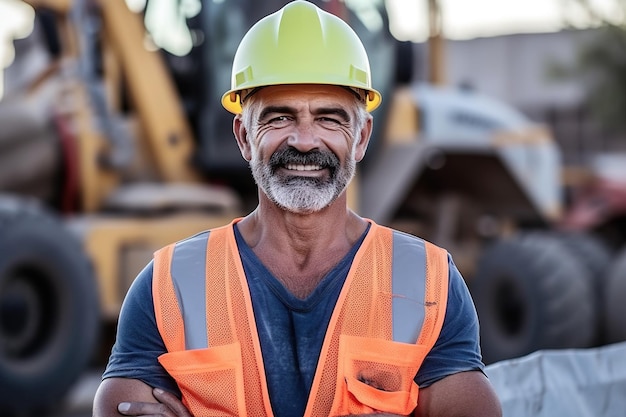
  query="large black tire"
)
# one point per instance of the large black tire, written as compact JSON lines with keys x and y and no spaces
{"x":49,"y":309}
{"x":596,"y":257}
{"x":532,"y":294}
{"x":615,"y":300}
{"x":592,"y":252}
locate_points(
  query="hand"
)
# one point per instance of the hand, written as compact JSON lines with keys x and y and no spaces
{"x":168,"y":406}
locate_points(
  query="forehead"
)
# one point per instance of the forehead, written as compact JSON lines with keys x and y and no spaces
{"x":310,"y":94}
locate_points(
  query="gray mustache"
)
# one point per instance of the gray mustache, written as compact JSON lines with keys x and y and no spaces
{"x":290,"y":155}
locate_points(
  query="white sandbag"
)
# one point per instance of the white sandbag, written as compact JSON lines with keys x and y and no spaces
{"x":567,"y":383}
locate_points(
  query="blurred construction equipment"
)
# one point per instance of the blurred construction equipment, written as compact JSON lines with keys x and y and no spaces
{"x":111,"y":147}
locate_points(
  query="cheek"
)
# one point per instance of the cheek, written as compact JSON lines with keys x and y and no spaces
{"x":261,"y":151}
{"x":267,"y":142}
{"x":343,"y":144}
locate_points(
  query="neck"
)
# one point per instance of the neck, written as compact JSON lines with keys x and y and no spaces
{"x":271,"y":225}
{"x":307,"y":245}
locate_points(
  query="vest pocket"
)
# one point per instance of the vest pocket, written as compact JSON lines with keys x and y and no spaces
{"x":211,"y":380}
{"x":378,"y":375}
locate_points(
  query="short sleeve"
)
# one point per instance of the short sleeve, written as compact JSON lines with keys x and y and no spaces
{"x":458,"y":347}
{"x":138,"y":342}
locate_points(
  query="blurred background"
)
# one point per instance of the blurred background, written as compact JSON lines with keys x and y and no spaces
{"x":502,"y":137}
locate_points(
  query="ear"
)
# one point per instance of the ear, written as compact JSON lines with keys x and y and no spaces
{"x":364,"y":138}
{"x":241,"y":135}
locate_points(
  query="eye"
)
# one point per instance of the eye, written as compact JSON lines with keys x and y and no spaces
{"x":330,"y":121}
{"x":279,"y":121}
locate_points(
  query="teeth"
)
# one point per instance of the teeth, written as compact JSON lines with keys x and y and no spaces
{"x":294,"y":167}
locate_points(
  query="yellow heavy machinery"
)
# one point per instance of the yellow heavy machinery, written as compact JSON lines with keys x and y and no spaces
{"x":111,"y":148}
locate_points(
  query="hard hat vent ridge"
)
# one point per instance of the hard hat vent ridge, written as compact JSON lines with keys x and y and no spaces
{"x":298,"y":18}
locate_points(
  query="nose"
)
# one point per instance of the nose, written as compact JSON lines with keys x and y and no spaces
{"x":304,"y":137}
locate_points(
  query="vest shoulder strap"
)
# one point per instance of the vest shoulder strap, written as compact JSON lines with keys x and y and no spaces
{"x":165,"y":301}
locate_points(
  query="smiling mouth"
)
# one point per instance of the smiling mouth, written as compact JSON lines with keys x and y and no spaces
{"x":303,"y":164}
{"x":302,"y":167}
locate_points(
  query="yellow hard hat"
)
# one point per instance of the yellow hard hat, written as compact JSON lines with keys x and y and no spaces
{"x":300,"y":44}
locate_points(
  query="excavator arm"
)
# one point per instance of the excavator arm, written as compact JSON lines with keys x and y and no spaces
{"x":103,"y":44}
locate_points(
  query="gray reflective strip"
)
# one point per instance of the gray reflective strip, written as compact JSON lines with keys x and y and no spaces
{"x":408,"y":287}
{"x":189,"y":276}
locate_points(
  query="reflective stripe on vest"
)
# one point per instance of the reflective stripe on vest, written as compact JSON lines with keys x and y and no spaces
{"x":387,"y":318}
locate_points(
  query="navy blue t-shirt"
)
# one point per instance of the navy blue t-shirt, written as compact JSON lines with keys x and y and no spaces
{"x":291,"y":332}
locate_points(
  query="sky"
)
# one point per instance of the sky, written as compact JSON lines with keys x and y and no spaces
{"x":462,"y":19}
{"x":467,"y":19}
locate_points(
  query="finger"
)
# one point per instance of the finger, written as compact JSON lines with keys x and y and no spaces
{"x":172,"y":402}
{"x":144,"y":409}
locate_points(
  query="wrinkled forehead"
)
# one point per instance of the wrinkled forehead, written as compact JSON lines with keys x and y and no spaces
{"x":303,"y":94}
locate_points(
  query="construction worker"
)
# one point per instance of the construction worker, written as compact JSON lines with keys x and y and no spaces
{"x":302,"y":307}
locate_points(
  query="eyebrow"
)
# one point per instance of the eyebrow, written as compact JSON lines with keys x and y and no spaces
{"x":276,"y":109}
{"x":338,"y":111}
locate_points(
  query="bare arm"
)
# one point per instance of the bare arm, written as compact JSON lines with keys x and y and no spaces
{"x":113,"y":391}
{"x":466,"y":394}
{"x":118,"y":397}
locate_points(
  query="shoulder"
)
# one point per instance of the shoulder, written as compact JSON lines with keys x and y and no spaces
{"x":458,"y":291}
{"x":190,"y":246}
{"x":435,"y":256}
{"x":188,"y":241}
{"x":400,"y":235}
{"x":197,"y":239}
{"x":139,"y":295}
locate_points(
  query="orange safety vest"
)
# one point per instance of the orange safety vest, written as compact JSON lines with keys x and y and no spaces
{"x":387,"y":318}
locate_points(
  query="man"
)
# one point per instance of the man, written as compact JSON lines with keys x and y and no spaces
{"x":302,"y":307}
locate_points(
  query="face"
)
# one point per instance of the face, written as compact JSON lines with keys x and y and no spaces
{"x":303,"y":143}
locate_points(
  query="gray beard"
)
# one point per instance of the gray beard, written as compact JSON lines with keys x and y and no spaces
{"x":299,"y":194}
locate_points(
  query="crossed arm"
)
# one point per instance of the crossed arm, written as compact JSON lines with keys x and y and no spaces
{"x":466,"y":394}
